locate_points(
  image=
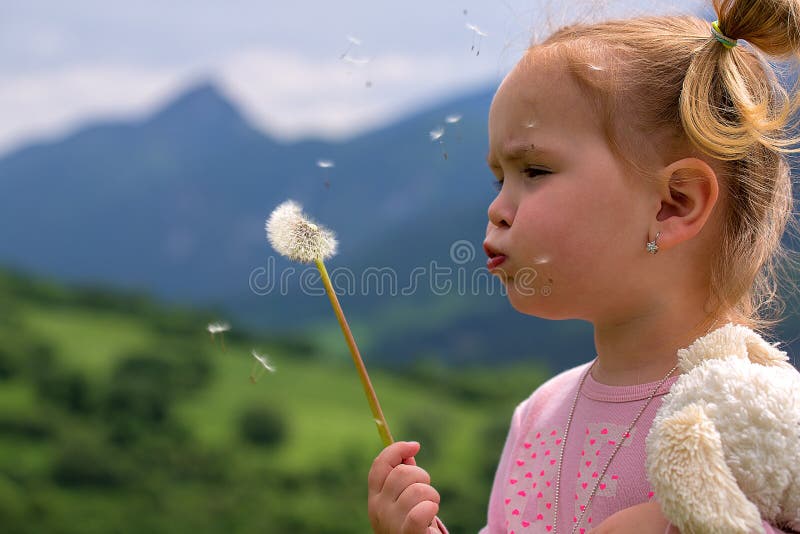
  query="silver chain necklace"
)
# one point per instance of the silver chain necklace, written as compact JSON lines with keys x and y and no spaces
{"x":614,"y":453}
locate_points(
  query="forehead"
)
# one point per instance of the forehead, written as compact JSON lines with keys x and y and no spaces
{"x":540,"y":98}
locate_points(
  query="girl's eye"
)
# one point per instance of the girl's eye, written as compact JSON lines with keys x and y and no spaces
{"x":532,"y":172}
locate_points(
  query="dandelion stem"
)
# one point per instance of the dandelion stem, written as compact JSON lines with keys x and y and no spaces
{"x":372,"y":398}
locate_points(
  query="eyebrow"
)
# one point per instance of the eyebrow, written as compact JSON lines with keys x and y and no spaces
{"x":515,"y":151}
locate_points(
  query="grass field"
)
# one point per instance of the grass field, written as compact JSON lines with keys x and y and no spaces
{"x":130,"y":420}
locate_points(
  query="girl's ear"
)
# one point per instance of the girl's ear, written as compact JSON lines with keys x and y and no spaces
{"x":689,"y":190}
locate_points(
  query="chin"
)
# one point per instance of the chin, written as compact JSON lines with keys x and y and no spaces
{"x":536,"y":306}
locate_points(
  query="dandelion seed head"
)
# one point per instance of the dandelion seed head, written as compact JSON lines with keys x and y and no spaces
{"x":263,"y":360}
{"x":452,"y":119}
{"x":293,"y":235}
{"x":217,"y":328}
{"x":436,"y":133}
{"x":325,"y":163}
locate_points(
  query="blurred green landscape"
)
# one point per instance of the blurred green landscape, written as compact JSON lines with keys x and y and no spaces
{"x":120,"y":415}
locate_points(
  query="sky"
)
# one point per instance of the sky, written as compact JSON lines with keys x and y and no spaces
{"x":301,"y":68}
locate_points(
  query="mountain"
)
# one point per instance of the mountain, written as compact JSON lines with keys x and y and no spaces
{"x":174,"y":204}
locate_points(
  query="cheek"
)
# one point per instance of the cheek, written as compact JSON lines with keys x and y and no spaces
{"x":564,"y":243}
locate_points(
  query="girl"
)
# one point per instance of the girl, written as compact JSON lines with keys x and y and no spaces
{"x":643,"y":183}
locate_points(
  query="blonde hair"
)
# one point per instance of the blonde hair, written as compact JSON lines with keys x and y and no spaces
{"x":666,"y":87}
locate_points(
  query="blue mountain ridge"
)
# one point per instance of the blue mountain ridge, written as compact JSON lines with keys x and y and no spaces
{"x":174,"y":204}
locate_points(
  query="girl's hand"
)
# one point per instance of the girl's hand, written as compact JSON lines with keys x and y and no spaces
{"x":401,"y":499}
{"x":645,"y":518}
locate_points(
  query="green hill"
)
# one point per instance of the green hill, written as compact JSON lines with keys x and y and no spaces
{"x":120,"y":415}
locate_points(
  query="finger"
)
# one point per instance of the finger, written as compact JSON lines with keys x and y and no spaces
{"x":419,"y":518}
{"x":402,"y":477}
{"x":390,"y":457}
{"x":417,"y":493}
{"x":410,"y":461}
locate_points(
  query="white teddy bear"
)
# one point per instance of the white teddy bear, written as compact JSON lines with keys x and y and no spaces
{"x":724,"y":448}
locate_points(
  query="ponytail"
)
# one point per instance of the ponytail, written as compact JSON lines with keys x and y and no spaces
{"x":731,"y":97}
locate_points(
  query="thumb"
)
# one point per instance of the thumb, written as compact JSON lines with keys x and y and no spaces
{"x":413,"y":449}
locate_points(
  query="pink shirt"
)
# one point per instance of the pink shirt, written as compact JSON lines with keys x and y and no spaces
{"x":523,"y":494}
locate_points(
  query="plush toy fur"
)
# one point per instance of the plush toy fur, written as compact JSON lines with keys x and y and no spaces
{"x":724,"y":448}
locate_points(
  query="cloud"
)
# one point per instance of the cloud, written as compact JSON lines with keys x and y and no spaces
{"x":51,"y":103}
{"x":286,"y":94}
{"x":60,"y":75}
{"x":293,"y":96}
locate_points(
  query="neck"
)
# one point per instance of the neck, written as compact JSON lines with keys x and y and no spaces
{"x":644,"y":349}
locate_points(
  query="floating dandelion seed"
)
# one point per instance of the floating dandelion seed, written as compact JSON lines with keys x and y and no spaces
{"x":218,"y":328}
{"x":454,"y":119}
{"x":359,"y":62}
{"x":532,"y":123}
{"x":354,"y":41}
{"x":436,"y":135}
{"x":326,"y":164}
{"x":293,"y":235}
{"x":259,"y":370}
{"x":355,"y":60}
{"x":595,"y":67}
{"x":477,"y":34}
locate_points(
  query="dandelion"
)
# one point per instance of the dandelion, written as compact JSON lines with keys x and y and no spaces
{"x":218,"y":328}
{"x":477,"y":34}
{"x":293,"y":235}
{"x":261,"y":366}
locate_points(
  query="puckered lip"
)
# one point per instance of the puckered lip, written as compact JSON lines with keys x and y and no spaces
{"x":492,"y":251}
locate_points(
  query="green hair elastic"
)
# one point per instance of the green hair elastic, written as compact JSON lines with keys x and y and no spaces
{"x":727,"y":42}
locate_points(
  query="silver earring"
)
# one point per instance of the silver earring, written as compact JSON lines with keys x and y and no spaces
{"x":652,"y":247}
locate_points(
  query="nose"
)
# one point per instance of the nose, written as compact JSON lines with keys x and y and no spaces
{"x":501,"y":212}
